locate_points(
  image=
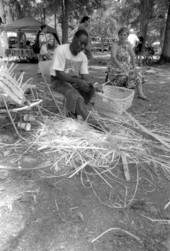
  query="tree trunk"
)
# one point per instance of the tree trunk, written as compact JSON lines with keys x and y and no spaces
{"x":2,"y":13}
{"x":165,"y":56}
{"x":55,"y":23}
{"x":161,"y":37}
{"x":55,"y":27}
{"x":65,"y":4}
{"x":144,"y":18}
{"x":44,"y":15}
{"x":16,"y":9}
{"x":8,"y":14}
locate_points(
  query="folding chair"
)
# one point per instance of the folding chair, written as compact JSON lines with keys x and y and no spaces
{"x":44,"y":67}
{"x":12,"y":91}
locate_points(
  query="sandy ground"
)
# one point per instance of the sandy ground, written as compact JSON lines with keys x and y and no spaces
{"x":49,"y":214}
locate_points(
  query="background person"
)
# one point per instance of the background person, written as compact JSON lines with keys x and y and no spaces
{"x":139,"y":49}
{"x":1,"y":22}
{"x":85,"y":25}
{"x":21,"y":39}
{"x":70,"y":76}
{"x":133,"y":38}
{"x":44,"y":53}
{"x":139,"y":46}
{"x":43,"y":44}
{"x":28,"y":44}
{"x":121,"y":72}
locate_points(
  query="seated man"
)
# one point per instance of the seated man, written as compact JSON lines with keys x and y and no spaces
{"x":70,"y":76}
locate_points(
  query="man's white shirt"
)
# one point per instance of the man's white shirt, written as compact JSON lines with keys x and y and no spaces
{"x":133,"y":40}
{"x":64,"y":60}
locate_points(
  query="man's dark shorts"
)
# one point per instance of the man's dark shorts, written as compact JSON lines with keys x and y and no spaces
{"x":71,"y":93}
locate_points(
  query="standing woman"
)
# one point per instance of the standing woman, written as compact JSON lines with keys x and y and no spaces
{"x":43,"y":44}
{"x":122,"y":71}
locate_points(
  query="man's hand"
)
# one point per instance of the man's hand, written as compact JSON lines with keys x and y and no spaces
{"x":82,"y":85}
{"x":98,"y":87}
{"x":89,"y":83}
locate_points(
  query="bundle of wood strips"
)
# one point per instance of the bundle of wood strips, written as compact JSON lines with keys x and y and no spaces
{"x":71,"y":145}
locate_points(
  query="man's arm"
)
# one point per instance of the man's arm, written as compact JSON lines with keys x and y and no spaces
{"x":85,"y":77}
{"x":98,"y":87}
{"x":61,"y":75}
{"x":82,"y":82}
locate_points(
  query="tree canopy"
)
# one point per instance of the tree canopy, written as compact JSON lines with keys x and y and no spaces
{"x":148,"y":17}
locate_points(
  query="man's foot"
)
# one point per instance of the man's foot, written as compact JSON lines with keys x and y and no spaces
{"x":71,"y":115}
{"x":143,"y":97}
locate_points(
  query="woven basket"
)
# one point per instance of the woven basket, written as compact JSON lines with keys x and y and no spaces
{"x":113,"y":100}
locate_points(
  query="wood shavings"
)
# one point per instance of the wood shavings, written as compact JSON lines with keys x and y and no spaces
{"x":158,"y":138}
{"x":73,"y":149}
{"x":167,"y":205}
{"x":117,"y":229}
{"x":161,"y":221}
{"x":125,"y":166}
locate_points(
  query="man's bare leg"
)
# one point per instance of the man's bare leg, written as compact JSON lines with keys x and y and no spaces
{"x":81,"y":109}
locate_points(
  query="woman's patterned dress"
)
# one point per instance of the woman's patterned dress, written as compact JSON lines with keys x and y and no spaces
{"x":117,"y":76}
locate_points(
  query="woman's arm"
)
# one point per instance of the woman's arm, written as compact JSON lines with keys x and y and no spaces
{"x":132,"y":55}
{"x":113,"y":56}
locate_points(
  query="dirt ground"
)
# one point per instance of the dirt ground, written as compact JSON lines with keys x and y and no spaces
{"x":40,"y":213}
